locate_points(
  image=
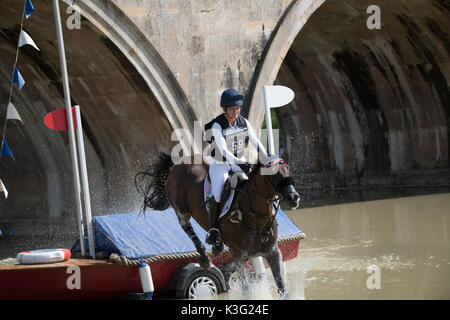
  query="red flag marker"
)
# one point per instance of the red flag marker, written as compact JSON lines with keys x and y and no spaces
{"x":57,"y":120}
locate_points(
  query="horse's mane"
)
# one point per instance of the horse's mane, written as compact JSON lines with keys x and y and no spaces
{"x":254,"y":171}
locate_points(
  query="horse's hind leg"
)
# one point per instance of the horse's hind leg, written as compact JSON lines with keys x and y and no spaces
{"x":275,"y":261}
{"x":204,"y":262}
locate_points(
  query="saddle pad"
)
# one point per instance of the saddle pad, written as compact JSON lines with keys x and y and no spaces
{"x":207,"y":195}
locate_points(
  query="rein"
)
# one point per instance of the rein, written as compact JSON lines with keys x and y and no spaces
{"x":270,"y":201}
{"x":264,"y":233}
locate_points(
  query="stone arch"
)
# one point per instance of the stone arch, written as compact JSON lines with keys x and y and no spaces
{"x":130,"y":106}
{"x":281,"y":40}
{"x":129,"y":39}
{"x":371,"y":105}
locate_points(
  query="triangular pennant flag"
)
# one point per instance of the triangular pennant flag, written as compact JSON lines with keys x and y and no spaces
{"x":18,"y":78}
{"x":12,"y":113}
{"x":28,"y":8}
{"x":6,"y":151}
{"x":3,"y":189}
{"x":26,"y":39}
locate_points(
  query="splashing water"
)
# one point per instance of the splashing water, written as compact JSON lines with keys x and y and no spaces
{"x":252,"y":287}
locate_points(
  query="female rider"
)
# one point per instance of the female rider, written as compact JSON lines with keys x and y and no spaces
{"x":230,"y":133}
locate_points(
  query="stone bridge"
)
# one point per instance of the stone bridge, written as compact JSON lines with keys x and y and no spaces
{"x":371,"y":105}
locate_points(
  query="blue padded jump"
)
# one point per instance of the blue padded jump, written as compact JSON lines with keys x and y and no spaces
{"x":155,"y":233}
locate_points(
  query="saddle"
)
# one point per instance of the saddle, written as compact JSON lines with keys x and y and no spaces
{"x":231,"y":191}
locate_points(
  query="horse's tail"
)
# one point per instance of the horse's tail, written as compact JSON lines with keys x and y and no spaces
{"x":151,"y":184}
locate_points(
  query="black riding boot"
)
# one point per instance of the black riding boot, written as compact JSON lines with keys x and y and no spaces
{"x":213,"y":237}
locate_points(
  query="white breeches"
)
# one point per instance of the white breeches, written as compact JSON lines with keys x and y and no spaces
{"x":219,"y":174}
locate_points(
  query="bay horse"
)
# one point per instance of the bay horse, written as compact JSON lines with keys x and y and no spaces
{"x":250,"y":230}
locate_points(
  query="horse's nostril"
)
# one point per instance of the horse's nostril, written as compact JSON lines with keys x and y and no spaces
{"x":296,"y":199}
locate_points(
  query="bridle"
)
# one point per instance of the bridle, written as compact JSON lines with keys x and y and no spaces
{"x":274,"y":202}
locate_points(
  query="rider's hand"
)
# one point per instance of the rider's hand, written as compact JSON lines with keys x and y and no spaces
{"x":241,"y":160}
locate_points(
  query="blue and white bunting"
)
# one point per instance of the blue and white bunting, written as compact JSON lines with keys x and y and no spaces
{"x":12,"y":114}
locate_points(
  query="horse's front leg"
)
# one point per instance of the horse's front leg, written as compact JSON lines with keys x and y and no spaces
{"x":204,"y":262}
{"x":275,"y":261}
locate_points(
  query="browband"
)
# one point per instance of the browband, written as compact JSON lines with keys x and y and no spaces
{"x":274,"y":162}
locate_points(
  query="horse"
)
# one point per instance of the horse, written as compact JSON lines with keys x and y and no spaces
{"x":249,"y":231}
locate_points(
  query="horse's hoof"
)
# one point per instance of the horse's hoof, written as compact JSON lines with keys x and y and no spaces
{"x":205,"y":262}
{"x":217,"y":250}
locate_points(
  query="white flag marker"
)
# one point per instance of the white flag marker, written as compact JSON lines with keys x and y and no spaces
{"x":26,"y":39}
{"x":278,"y":96}
{"x":274,"y":97}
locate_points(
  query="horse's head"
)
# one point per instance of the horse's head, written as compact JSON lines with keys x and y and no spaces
{"x":277,"y":173}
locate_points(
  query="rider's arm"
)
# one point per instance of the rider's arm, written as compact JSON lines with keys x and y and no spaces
{"x":262,"y":153}
{"x":254,"y":139}
{"x":221,"y":145}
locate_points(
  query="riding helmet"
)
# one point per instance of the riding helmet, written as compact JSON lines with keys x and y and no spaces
{"x":230,"y":98}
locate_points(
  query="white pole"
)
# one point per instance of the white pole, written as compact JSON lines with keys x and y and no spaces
{"x":258,"y":263}
{"x":85,"y":182}
{"x":268,"y":122}
{"x":279,"y":96}
{"x":73,"y":151}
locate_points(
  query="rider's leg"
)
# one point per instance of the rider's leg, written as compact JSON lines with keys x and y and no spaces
{"x":213,"y":236}
{"x":218,"y":174}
